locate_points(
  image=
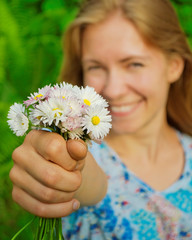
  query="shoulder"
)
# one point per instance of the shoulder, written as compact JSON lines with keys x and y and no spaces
{"x":185,"y":139}
{"x":102,"y":153}
{"x":186,"y":142}
{"x":107,"y":159}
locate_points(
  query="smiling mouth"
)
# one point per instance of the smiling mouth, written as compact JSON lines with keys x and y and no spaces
{"x":124,"y":109}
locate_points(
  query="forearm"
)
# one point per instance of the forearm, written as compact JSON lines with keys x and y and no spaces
{"x":94,"y":183}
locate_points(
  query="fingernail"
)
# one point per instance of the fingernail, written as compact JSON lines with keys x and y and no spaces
{"x":76,"y":205}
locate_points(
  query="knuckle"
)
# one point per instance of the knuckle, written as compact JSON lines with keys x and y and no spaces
{"x":47,"y":195}
{"x":54,"y":146}
{"x":40,"y":210}
{"x":16,"y":154}
{"x":70,"y":165}
{"x":76,"y":180}
{"x":15,"y":195}
{"x":51,"y":177}
{"x":12,"y":174}
{"x":68,"y":197}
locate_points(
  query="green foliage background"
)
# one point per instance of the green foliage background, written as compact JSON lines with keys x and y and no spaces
{"x":30,"y":57}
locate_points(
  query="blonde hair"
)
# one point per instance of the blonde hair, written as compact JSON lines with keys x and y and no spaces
{"x":157,"y":21}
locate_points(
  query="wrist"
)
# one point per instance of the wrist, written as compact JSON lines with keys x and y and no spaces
{"x":94,"y":183}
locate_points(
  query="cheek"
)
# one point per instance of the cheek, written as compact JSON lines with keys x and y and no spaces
{"x":97,"y":82}
{"x":151,"y":84}
{"x":155,"y":90}
{"x":143,"y":84}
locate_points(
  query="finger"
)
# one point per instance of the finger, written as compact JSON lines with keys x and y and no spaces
{"x":80,"y":165}
{"x":41,"y":209}
{"x":77,"y":149}
{"x":52,"y":146}
{"x":46,"y":172}
{"x":23,"y":180}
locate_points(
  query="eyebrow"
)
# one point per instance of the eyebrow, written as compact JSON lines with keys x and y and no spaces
{"x":126,"y":59}
{"x":123,"y":60}
{"x":91,"y":60}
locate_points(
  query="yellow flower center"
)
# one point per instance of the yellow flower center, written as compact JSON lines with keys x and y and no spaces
{"x":95,"y":120}
{"x":38,"y":96}
{"x":63,"y":97}
{"x":55,"y":109}
{"x":87,"y":102}
{"x":39,"y":117}
{"x":22,"y":123}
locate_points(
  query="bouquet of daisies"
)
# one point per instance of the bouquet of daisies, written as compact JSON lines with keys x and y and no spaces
{"x":72,"y":112}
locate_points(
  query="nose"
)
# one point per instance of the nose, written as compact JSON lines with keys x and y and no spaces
{"x":115,"y":86}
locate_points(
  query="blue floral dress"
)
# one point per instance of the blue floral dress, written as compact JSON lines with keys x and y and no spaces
{"x":131,"y":209}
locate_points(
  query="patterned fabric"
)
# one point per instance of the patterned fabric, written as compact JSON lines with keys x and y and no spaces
{"x":132,"y":210}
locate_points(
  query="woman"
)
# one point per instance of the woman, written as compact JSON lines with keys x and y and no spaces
{"x":137,"y":184}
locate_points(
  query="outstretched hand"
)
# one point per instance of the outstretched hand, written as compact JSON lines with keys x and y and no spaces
{"x":47,"y":173}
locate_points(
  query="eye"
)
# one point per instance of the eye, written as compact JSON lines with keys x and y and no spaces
{"x":136,"y":64}
{"x":90,"y":68}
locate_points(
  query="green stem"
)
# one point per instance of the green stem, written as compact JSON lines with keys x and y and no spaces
{"x":48,"y":229}
{"x":16,"y":235}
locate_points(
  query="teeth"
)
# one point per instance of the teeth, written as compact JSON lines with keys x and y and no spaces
{"x":122,"y":108}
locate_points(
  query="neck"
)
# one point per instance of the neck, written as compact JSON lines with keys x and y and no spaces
{"x":144,"y":145}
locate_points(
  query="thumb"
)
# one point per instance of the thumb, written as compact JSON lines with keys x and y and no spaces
{"x":77,"y":149}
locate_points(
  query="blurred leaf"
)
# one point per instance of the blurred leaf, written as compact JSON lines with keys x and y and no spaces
{"x":30,"y":57}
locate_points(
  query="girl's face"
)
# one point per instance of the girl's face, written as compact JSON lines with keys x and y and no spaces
{"x":133,"y":76}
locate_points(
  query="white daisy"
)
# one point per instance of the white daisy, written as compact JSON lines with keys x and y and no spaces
{"x":15,"y":109}
{"x":64,"y":85}
{"x":43,"y":93}
{"x":76,"y":133}
{"x":77,"y":106}
{"x":62,"y":90}
{"x":71,"y":123}
{"x":54,"y":110}
{"x":39,"y":115}
{"x":18,"y":121}
{"x":97,"y":122}
{"x":90,"y":97}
